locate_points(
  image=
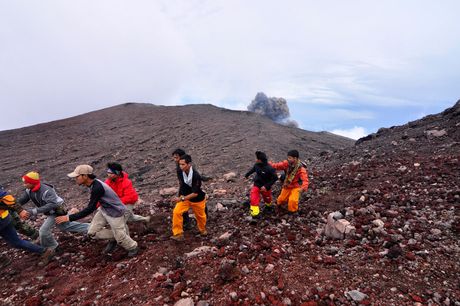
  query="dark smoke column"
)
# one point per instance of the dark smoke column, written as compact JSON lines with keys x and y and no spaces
{"x":274,"y":108}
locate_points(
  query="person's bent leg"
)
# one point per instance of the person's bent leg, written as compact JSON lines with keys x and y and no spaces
{"x":284,"y":196}
{"x":293,"y":204}
{"x":46,"y":236}
{"x":96,"y":228}
{"x":267,"y":196}
{"x":74,"y":227}
{"x":118,"y":227}
{"x":133,"y":217}
{"x":11,"y":237}
{"x":200,"y":215}
{"x":179,"y":209}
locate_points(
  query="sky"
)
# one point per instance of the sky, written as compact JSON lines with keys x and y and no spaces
{"x":348,"y":67}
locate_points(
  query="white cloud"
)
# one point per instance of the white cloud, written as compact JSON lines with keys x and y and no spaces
{"x":74,"y":57}
{"x":353,"y":133}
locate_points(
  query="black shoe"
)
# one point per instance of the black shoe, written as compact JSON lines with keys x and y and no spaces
{"x":133,"y":252}
{"x":110,"y":247}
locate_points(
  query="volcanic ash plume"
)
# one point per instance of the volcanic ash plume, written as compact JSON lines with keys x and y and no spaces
{"x":274,"y":108}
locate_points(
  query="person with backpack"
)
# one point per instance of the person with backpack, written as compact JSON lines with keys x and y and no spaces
{"x":295,"y":181}
{"x":264,"y":179}
{"x":9,"y":234}
{"x":47,"y":202}
{"x":119,"y":181}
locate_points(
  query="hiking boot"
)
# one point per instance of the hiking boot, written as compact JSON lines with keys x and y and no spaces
{"x":46,"y":257}
{"x":179,"y":237}
{"x":254,"y":211}
{"x":133,"y":252}
{"x":110,"y":247}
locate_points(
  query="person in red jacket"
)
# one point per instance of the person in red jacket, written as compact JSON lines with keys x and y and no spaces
{"x":120,"y":183}
{"x":295,"y":172}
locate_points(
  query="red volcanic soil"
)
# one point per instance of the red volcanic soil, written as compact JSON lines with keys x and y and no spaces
{"x":405,"y":176}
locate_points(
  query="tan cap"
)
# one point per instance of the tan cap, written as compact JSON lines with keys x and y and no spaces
{"x":81,"y":169}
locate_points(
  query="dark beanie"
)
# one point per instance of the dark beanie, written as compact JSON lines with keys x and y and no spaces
{"x":261,"y":156}
{"x":293,"y":153}
{"x":114,"y":168}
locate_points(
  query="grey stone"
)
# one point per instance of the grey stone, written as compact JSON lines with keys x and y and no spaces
{"x":356,"y":295}
{"x":185,"y":302}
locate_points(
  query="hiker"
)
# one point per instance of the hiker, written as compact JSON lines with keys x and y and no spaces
{"x":176,"y":154}
{"x":264,"y":179}
{"x":120,"y":183}
{"x":111,"y":211}
{"x":9,"y":234}
{"x":190,"y":196}
{"x":291,"y":189}
{"x":21,"y":226}
{"x":47,"y":202}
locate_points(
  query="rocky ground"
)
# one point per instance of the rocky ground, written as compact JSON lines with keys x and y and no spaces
{"x":398,"y":189}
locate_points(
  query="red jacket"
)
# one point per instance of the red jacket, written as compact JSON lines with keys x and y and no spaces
{"x":123,"y":187}
{"x":300,"y":175}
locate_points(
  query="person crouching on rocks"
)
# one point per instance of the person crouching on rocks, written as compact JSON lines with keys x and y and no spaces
{"x":190,"y":196}
{"x":9,"y":234}
{"x":264,"y":179}
{"x":120,"y":183}
{"x":47,"y":202}
{"x":21,"y":226}
{"x":295,"y":172}
{"x":111,"y":211}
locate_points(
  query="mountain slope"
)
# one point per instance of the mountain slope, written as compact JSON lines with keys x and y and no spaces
{"x":404,"y":178}
{"x":142,"y":137}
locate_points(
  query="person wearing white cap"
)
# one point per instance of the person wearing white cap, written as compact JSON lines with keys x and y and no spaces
{"x":111,"y":211}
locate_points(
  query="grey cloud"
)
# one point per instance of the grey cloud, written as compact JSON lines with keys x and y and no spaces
{"x":274,"y":108}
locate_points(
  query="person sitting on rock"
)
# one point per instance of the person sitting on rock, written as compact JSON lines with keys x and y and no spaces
{"x":120,"y":183}
{"x":295,"y":173}
{"x":9,"y":234}
{"x":111,"y":211}
{"x":264,"y":179}
{"x":190,"y":196}
{"x":21,"y":226}
{"x":47,"y":202}
{"x":176,"y":154}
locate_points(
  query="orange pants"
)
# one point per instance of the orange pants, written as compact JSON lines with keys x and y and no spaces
{"x":290,"y":195}
{"x":183,"y":206}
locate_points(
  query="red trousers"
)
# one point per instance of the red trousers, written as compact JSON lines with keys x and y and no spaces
{"x":255,"y":196}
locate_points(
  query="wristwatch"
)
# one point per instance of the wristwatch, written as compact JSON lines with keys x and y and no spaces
{"x":182,"y":198}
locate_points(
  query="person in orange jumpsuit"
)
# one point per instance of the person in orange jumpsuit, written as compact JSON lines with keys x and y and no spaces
{"x":295,"y":182}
